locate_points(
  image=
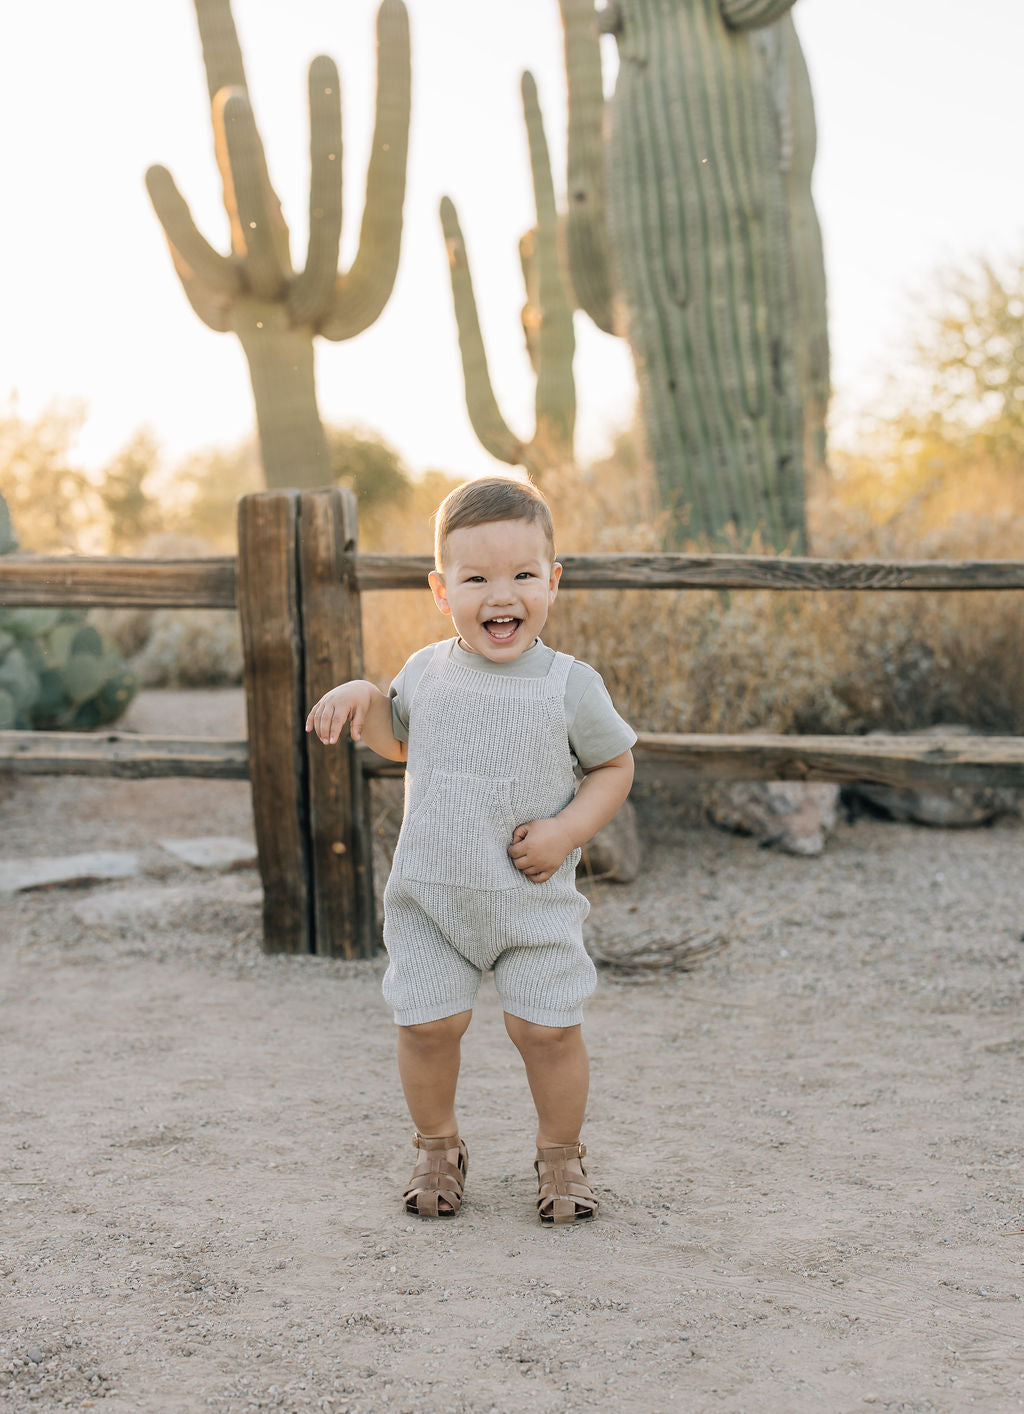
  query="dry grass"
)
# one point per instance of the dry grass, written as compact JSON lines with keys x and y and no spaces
{"x":788,"y":662}
{"x":701,"y":660}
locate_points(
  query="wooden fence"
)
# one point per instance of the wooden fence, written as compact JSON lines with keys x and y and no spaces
{"x":296,"y":584}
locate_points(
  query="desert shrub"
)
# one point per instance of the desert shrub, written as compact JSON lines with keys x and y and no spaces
{"x":835,"y":662}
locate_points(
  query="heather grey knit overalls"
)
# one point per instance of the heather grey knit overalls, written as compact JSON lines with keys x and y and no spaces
{"x":486,"y":753}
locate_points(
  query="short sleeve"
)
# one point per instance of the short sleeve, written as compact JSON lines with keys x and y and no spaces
{"x":403,"y":690}
{"x":596,"y":731}
{"x":399,"y":706}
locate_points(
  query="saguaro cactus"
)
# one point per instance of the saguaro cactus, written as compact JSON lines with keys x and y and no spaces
{"x":547,"y":323}
{"x":254,"y":292}
{"x":684,"y":222}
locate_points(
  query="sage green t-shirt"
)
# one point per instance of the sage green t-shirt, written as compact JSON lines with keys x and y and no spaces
{"x":596,"y":731}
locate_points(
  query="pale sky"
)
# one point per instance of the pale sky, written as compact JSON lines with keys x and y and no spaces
{"x":920,"y":132}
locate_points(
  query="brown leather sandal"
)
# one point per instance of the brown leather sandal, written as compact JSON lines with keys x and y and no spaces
{"x":562,"y":1195}
{"x":434,"y":1180}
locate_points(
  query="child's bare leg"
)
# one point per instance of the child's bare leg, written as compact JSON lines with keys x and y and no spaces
{"x":428,"y":1062}
{"x":558,"y":1070}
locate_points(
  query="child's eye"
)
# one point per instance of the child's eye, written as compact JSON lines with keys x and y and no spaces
{"x":525,"y":574}
{"x":475,"y":579}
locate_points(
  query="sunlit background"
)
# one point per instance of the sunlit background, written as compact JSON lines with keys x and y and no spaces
{"x":919,"y":140}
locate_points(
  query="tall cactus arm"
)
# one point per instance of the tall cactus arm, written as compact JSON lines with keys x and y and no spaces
{"x":808,"y":260}
{"x":484,"y":413}
{"x":362,"y":292}
{"x":752,"y":14}
{"x":222,"y":59}
{"x":216,"y":270}
{"x":222,"y":54}
{"x":213,"y":306}
{"x":311,"y":291}
{"x":252,"y":202}
{"x":589,"y":262}
{"x":556,"y":341}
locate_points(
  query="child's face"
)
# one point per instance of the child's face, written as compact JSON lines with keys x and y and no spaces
{"x":497,"y":584}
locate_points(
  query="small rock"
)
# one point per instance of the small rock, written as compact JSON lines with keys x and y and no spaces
{"x":19,"y":875}
{"x":794,"y":816}
{"x":212,"y":852}
{"x":35,"y":1355}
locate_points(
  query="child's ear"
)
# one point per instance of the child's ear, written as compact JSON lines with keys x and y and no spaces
{"x":436,"y":582}
{"x":556,"y":575}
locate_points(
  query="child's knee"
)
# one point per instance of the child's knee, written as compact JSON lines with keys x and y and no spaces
{"x":531,"y":1036}
{"x":431,"y":1035}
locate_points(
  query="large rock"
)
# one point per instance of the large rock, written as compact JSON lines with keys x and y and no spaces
{"x":614,"y":852}
{"x":794,"y":816}
{"x":951,"y":807}
{"x":954,"y":807}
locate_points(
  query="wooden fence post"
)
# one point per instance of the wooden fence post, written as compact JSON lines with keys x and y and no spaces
{"x":269,"y":609}
{"x":340,"y":832}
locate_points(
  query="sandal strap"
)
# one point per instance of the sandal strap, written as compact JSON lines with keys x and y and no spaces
{"x":560,"y":1152}
{"x":443,"y":1141}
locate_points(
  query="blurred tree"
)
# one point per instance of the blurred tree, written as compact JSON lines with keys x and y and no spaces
{"x":946,"y":444}
{"x":361,"y":459}
{"x":132,"y":510}
{"x":204,"y":489}
{"x":51,"y":501}
{"x":971,"y":353}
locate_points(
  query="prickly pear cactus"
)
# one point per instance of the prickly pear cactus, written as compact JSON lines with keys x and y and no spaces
{"x":55,"y":670}
{"x":8,"y":539}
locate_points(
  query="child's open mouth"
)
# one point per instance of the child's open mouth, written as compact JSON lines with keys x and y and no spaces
{"x":502,"y":630}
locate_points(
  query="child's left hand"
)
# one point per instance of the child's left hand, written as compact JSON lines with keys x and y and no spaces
{"x":539,"y":849}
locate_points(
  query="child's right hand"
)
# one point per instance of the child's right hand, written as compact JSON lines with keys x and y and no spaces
{"x":349,"y":702}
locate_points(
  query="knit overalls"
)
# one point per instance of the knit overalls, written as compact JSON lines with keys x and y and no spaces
{"x":486,"y":753}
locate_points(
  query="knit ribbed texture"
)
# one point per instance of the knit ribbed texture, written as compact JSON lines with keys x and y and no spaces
{"x":486,"y":753}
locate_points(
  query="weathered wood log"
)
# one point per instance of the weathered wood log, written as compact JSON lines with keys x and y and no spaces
{"x":880,"y":760}
{"x":107,"y":582}
{"x":762,"y":756}
{"x":42,"y":580}
{"x":123,"y":754}
{"x":725,"y":572}
{"x":340,"y":831}
{"x":268,"y":605}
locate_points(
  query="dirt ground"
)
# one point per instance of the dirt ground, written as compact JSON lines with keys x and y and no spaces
{"x":808,"y":1150}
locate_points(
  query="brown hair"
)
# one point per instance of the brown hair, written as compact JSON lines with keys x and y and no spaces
{"x":488,"y":499}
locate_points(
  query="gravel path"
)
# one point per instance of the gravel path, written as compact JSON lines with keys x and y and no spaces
{"x":808,"y":1149}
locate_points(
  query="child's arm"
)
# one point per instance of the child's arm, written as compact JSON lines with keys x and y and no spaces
{"x":540,"y":847}
{"x":369,"y":712}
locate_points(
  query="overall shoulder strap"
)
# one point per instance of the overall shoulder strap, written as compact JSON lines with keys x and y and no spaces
{"x":558,"y":673}
{"x":434,"y":665}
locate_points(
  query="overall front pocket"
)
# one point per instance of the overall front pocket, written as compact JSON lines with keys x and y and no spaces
{"x":459,"y":834}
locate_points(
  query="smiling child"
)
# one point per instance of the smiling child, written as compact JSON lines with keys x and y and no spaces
{"x":515,"y":757}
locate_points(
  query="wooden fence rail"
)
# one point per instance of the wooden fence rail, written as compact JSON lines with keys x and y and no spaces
{"x":297,"y":585}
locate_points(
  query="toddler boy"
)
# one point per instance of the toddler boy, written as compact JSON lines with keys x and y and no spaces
{"x":493,"y":727}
